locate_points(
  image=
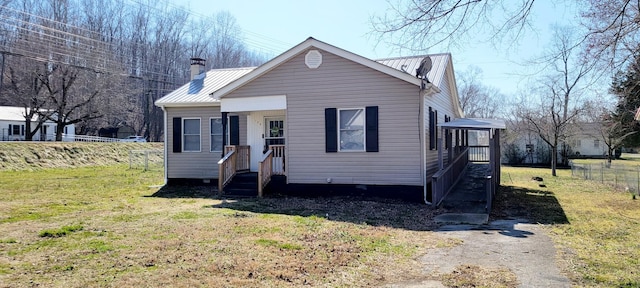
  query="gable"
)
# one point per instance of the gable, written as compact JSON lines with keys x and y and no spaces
{"x":304,"y":47}
{"x":335,"y":75}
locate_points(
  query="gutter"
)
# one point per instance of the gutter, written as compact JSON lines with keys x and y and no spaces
{"x":166,"y":171}
{"x":423,"y":147}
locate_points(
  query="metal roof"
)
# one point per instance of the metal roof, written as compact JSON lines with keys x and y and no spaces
{"x":201,"y":89}
{"x":198,"y":90}
{"x":411,"y":63}
{"x":474,"y":124}
{"x":10,"y":113}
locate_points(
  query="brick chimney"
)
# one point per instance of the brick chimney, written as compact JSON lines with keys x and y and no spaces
{"x":197,"y":67}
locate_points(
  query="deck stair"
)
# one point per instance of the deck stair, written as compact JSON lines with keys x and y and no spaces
{"x":243,"y":185}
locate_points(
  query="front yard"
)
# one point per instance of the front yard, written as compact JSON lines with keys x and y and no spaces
{"x":105,"y":226}
{"x":113,"y":226}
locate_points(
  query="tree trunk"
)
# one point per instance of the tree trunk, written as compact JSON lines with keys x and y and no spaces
{"x":59,"y":129}
{"x":28,"y":135}
{"x":554,"y":160}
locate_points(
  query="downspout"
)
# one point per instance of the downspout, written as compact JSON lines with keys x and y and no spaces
{"x":166,"y":148}
{"x":423,"y":147}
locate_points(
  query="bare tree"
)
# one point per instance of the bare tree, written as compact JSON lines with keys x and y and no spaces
{"x":612,"y":132}
{"x":419,"y":25}
{"x":560,"y":101}
{"x":25,"y":90}
{"x":478,"y":100}
{"x":110,"y":58}
{"x":66,"y":101}
{"x":611,"y":28}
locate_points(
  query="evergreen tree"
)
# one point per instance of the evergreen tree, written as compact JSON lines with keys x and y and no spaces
{"x":626,"y":87}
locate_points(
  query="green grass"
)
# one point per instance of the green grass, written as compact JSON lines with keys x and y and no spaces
{"x":59,"y":232}
{"x":595,"y":227}
{"x":133,"y":234}
{"x":129,"y":233}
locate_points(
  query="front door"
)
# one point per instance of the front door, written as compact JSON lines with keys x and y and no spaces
{"x":274,"y":132}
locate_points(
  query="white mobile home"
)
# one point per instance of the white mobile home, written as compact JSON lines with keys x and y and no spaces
{"x":13,"y":126}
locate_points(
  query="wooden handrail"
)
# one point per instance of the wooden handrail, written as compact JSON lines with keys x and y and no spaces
{"x":444,"y":180}
{"x":226,"y":169}
{"x":243,"y":159}
{"x":265,"y":171}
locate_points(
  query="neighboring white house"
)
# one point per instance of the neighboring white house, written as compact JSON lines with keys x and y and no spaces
{"x":587,"y":141}
{"x":13,"y":126}
{"x":584,"y":141}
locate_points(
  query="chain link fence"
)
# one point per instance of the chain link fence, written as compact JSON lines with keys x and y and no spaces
{"x":148,"y":160}
{"x":625,"y":177}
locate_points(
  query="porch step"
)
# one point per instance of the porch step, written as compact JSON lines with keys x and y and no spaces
{"x":243,"y":185}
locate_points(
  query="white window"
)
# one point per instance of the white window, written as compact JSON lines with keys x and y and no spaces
{"x":596,"y":143}
{"x":351,"y":125}
{"x":216,"y":134}
{"x":191,"y":135}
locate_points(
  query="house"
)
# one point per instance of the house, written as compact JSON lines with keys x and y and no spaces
{"x":13,"y":126}
{"x":318,"y":115}
{"x":587,"y":141}
{"x":582,"y":140}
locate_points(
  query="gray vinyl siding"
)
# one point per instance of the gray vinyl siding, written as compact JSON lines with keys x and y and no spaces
{"x":440,"y":102}
{"x":196,"y":165}
{"x":341,"y":83}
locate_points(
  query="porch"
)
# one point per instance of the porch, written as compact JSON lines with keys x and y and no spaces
{"x":237,"y":159}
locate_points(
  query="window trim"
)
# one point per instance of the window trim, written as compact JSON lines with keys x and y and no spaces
{"x":211,"y":134}
{"x":184,"y":142}
{"x":364,"y":130}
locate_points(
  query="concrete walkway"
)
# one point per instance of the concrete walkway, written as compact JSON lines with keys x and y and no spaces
{"x":522,"y":248}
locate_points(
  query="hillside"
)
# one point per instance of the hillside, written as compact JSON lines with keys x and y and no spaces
{"x":37,"y":155}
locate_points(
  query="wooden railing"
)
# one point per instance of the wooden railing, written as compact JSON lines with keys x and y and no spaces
{"x":278,"y":159}
{"x":226,"y":169}
{"x":265,"y":171}
{"x":243,"y":159}
{"x":479,"y":153}
{"x":272,"y":163}
{"x":490,"y":186}
{"x":445,"y":179}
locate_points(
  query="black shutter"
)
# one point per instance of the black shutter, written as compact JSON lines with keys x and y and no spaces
{"x":21,"y":130}
{"x":435,"y":126}
{"x":234,"y":130}
{"x":432,"y":130}
{"x":225,"y":119}
{"x":331,"y":129}
{"x":177,"y":134}
{"x":10,"y":129}
{"x":371,"y":117}
{"x":447,"y":134}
